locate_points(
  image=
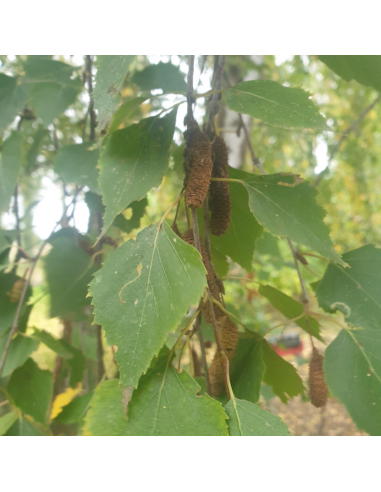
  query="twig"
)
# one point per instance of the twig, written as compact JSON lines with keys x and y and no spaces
{"x":17,"y":216}
{"x":351,"y":128}
{"x":93,"y":121}
{"x":203,"y":353}
{"x":208,"y":245}
{"x":217,"y":84}
{"x":220,"y":349}
{"x":257,"y":163}
{"x":305,"y":299}
{"x":190,"y":89}
{"x":24,"y":291}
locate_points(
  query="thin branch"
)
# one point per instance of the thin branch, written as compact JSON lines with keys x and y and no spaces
{"x":208,"y":245}
{"x":24,"y":291}
{"x":203,"y":353}
{"x":93,"y":119}
{"x":190,"y":89}
{"x":217,"y":84}
{"x":256,"y":162}
{"x":351,"y":128}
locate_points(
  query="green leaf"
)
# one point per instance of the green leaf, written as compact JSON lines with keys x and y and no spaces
{"x":163,"y":76}
{"x":23,"y":427}
{"x":354,"y":291}
{"x":75,"y":411}
{"x":248,"y":419}
{"x":68,"y":272}
{"x":285,"y":205}
{"x":280,"y":374}
{"x":365,"y":69}
{"x":34,"y":149}
{"x":10,"y":164}
{"x":19,"y":351}
{"x":127,"y":111}
{"x":112,"y":70}
{"x":275,"y":104}
{"x":141,"y":294}
{"x":77,"y":164}
{"x":51,"y":89}
{"x":239,"y":241}
{"x":7,"y":308}
{"x":353,"y":373}
{"x":31,"y":389}
{"x":268,"y":245}
{"x":290,"y":309}
{"x":166,"y":404}
{"x":128,"y":225}
{"x":247,"y":369}
{"x":7,"y":420}
{"x":58,"y":346}
{"x":133,"y":161}
{"x":13,"y":98}
{"x":77,"y":365}
{"x":6,"y":239}
{"x":106,"y":415}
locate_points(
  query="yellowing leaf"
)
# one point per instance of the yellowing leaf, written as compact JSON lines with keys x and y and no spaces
{"x":64,"y":399}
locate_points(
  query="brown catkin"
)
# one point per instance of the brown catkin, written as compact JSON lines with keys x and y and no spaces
{"x":197,"y":165}
{"x":219,"y":201}
{"x":229,"y":342}
{"x":318,"y":386}
{"x":16,"y":290}
{"x":210,"y":277}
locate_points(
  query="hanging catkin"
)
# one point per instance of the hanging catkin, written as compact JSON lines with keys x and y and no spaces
{"x":210,"y":277}
{"x":318,"y":386}
{"x":197,"y":166}
{"x":229,"y":342}
{"x":219,"y":202}
{"x":17,"y":288}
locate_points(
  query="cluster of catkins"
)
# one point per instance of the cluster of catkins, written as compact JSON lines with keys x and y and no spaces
{"x":203,"y":161}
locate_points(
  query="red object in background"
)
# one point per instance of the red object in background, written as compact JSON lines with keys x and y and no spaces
{"x":288,"y":344}
{"x":282,"y":351}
